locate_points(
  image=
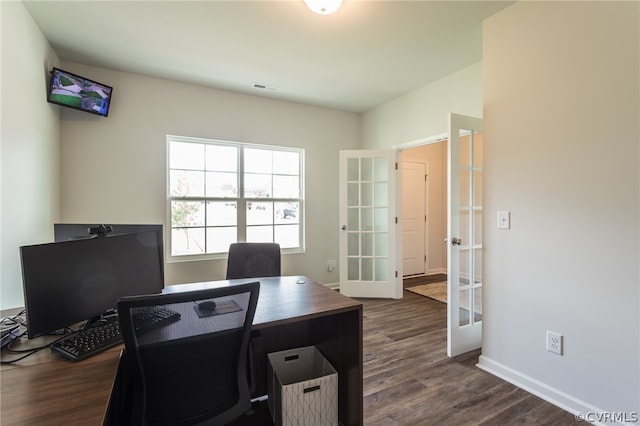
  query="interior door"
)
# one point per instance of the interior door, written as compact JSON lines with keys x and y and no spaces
{"x":413,"y":217}
{"x":368,"y":224}
{"x":464,"y":235}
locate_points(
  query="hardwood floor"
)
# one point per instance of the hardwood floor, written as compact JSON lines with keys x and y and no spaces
{"x":409,"y":380}
{"x":423,"y":279}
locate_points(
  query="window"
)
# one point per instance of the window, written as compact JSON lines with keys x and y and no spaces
{"x":221,"y":192}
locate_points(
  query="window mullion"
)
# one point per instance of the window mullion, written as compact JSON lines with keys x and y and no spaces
{"x":242,"y":202}
{"x":204,"y":201}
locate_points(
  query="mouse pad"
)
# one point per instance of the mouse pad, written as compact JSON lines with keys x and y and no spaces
{"x":222,"y":307}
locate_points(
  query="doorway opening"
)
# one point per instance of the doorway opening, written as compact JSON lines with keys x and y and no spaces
{"x":424,"y":211}
{"x":463,"y":238}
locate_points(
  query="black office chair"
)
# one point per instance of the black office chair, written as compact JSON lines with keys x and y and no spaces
{"x":191,"y":367}
{"x":253,"y":260}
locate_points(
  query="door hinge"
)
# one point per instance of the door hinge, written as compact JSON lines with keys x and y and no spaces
{"x":396,"y":166}
{"x":396,"y":274}
{"x":425,"y":257}
{"x":396,"y":220}
{"x":425,"y":177}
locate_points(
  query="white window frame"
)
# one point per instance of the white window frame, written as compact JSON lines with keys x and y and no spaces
{"x":240,"y":199}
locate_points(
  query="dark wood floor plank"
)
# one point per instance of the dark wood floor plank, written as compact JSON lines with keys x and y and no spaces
{"x":409,"y":380}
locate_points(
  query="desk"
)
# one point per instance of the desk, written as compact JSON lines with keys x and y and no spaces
{"x":49,"y":390}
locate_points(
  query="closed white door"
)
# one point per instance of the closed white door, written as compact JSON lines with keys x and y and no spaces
{"x":464,"y":235}
{"x":368,"y":224}
{"x":414,"y":216}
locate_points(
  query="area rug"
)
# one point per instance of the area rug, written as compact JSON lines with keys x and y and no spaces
{"x":436,"y":291}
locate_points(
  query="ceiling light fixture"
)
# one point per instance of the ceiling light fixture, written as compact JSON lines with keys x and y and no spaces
{"x":323,"y":7}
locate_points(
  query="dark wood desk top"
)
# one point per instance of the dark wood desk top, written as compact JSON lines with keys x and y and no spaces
{"x":47,"y":389}
{"x":285,"y":299}
{"x":59,"y":392}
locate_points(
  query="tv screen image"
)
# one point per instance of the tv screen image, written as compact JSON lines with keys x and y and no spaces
{"x":79,"y":93}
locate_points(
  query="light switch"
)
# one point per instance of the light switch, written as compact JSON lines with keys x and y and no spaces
{"x":504,"y":220}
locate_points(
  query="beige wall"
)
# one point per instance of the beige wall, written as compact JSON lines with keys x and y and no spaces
{"x":424,"y":113}
{"x":561,"y":120}
{"x":113,"y":169}
{"x":30,"y":146}
{"x":435,"y":156}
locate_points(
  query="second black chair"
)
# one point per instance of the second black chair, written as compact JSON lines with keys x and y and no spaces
{"x":253,"y":260}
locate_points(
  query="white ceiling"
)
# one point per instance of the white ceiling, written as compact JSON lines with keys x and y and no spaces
{"x":362,"y":56}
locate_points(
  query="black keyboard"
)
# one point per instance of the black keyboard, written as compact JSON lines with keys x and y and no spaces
{"x":151,"y":318}
{"x":98,"y":338}
{"x":90,"y":341}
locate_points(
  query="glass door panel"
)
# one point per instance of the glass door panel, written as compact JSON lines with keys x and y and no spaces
{"x":367,"y":192}
{"x":464,"y":248}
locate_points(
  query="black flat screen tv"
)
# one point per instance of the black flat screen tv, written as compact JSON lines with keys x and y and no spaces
{"x":73,"y":91}
{"x":67,"y":282}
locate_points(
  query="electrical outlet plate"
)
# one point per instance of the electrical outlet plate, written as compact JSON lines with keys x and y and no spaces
{"x":331,"y":265}
{"x":554,"y":342}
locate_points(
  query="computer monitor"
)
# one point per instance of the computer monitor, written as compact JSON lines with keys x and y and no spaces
{"x":83,"y":231}
{"x":71,"y":281}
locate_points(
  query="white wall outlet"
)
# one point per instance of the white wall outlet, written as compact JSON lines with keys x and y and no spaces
{"x":554,"y":342}
{"x":331,"y":265}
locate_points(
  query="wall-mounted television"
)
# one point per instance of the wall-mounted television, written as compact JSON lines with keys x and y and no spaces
{"x":74,"y":91}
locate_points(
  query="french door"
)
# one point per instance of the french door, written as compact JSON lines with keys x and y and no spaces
{"x":368,"y":224}
{"x":464,"y":235}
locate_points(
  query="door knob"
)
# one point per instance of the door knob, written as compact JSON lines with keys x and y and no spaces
{"x":344,"y":227}
{"x":456,"y":241}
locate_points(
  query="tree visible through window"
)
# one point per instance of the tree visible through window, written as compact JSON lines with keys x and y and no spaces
{"x":222,"y":192}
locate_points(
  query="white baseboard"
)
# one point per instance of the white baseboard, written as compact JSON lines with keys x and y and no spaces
{"x":430,"y":272}
{"x":555,"y":396}
{"x":333,"y":286}
{"x":435,"y":271}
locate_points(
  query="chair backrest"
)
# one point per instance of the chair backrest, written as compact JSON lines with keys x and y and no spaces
{"x":253,"y":260}
{"x":192,"y":364}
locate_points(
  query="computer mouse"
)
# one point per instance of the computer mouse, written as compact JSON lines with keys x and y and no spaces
{"x":207,"y":305}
